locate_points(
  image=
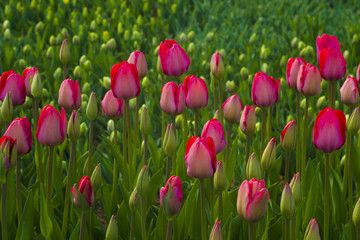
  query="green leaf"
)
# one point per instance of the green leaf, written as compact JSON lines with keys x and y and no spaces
{"x":312,"y":198}
{"x":106,"y":197}
{"x":25,"y":229}
{"x":230,"y":166}
{"x":45,"y":221}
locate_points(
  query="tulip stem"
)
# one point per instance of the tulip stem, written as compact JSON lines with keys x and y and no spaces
{"x":358,"y":234}
{"x":266,"y":176}
{"x":91,"y":145}
{"x":287,"y":229}
{"x":18,"y":188}
{"x":132,"y":226}
{"x":332,"y":93}
{"x":263,"y":130}
{"x":247,"y":149}
{"x":136,"y":129}
{"x":211,"y":199}
{"x":350,"y":185}
{"x":82,"y":227}
{"x":145,"y":149}
{"x":252,"y":231}
{"x":67,"y":191}
{"x":298,"y":136}
{"x":203,"y":219}
{"x":185,"y":126}
{"x":293,"y":227}
{"x":304,"y":143}
{"x":269,"y":125}
{"x":216,"y":106}
{"x":167,"y":173}
{"x":38,"y":159}
{"x":3,"y":210}
{"x":169,"y":230}
{"x":227,"y":148}
{"x":125,"y":170}
{"x":129,"y":140}
{"x":64,"y":71}
{"x":220,"y":206}
{"x":220,"y":101}
{"x":163,"y":126}
{"x":327,"y":197}
{"x":287,"y":166}
{"x":143,"y":218}
{"x":115,"y":168}
{"x":49,"y":180}
{"x":196,"y":122}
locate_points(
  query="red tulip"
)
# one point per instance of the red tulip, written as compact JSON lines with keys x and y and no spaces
{"x":51,"y":128}
{"x":174,"y":61}
{"x":112,"y":107}
{"x":329,"y":130}
{"x":324,"y":42}
{"x":20,"y":130}
{"x":309,"y":80}
{"x":138,"y":59}
{"x":200,"y":157}
{"x":196,"y":93}
{"x":292,"y":69}
{"x":172,"y":99}
{"x":332,"y":64}
{"x":214,"y":129}
{"x":248,"y":120}
{"x":86,"y":190}
{"x":70,"y":95}
{"x":171,"y":196}
{"x":12,"y":82}
{"x":232,"y":109}
{"x":265,"y":90}
{"x":27,"y":74}
{"x":350,"y":92}
{"x":125,"y":80}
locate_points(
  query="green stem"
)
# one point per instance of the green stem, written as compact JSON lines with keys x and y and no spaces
{"x":211,"y":199}
{"x":169,"y":230}
{"x":293,"y":227}
{"x":64,"y":71}
{"x":247,"y":149}
{"x":131,"y":172}
{"x":346,"y":168}
{"x":269,"y":125}
{"x":287,"y":229}
{"x":327,"y":197}
{"x":143,"y":219}
{"x":266,"y":176}
{"x":350,"y":185}
{"x":196,"y":122}
{"x":358,"y":234}
{"x":145,"y":149}
{"x":132,"y":226}
{"x":18,"y":188}
{"x":332,"y":93}
{"x":216,"y":107}
{"x":298,"y":136}
{"x":203,"y":217}
{"x":3,"y":211}
{"x":185,"y":137}
{"x":36,"y":143}
{"x":82,"y":227}
{"x":220,"y":208}
{"x":125,"y":170}
{"x":91,"y":146}
{"x":263,"y":130}
{"x":163,"y":127}
{"x":49,"y":180}
{"x":167,"y":174}
{"x":304,"y":143}
{"x":227,"y":147}
{"x":220,"y":101}
{"x":115,"y":168}
{"x":287,"y":166}
{"x":252,"y":231}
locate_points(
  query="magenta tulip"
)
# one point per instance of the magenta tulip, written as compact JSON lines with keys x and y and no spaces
{"x":138,"y":59}
{"x":292,"y":70}
{"x":309,"y":80}
{"x":20,"y":129}
{"x":332,"y":64}
{"x":70,"y":95}
{"x":51,"y":128}
{"x":172,"y":99}
{"x":232,"y":109}
{"x":214,"y":129}
{"x":196,"y":93}
{"x":171,"y":196}
{"x":112,"y":107}
{"x":125,"y":80}
{"x":27,"y":74}
{"x":265,"y":90}
{"x":350,"y":92}
{"x":200,"y":157}
{"x":324,"y":42}
{"x":174,"y":61}
{"x":248,"y":120}
{"x":329,"y":130}
{"x":86,"y":190}
{"x":12,"y":82}
{"x":252,"y":200}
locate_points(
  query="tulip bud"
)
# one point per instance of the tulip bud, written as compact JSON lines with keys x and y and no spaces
{"x":232,"y":109}
{"x":145,"y":123}
{"x":36,"y":85}
{"x":134,"y":200}
{"x":217,"y":115}
{"x":353,"y":122}
{"x":253,"y":169}
{"x":7,"y":34}
{"x":269,"y":155}
{"x":142,"y":184}
{"x":244,"y":73}
{"x":312,"y":231}
{"x":73,"y":129}
{"x":230,"y":86}
{"x":321,"y":102}
{"x":288,"y":136}
{"x":253,"y":38}
{"x":92,"y":108}
{"x":216,"y":232}
{"x":248,"y":120}
{"x":84,"y":195}
{"x":170,"y":141}
{"x":7,"y":108}
{"x":138,"y":59}
{"x":112,"y":229}
{"x":296,"y":188}
{"x":220,"y":177}
{"x":356,"y":215}
{"x":287,"y":204}
{"x":64,"y":52}
{"x":217,"y":65}
{"x":96,"y":178}
{"x":350,"y":92}
{"x":171,"y":197}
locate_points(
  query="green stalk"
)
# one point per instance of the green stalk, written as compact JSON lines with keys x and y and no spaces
{"x":247,"y":149}
{"x":196,"y":123}
{"x":252,"y":231}
{"x":293,"y":227}
{"x":358,"y":234}
{"x":91,"y":147}
{"x":298,"y":127}
{"x":64,"y":71}
{"x":82,"y":226}
{"x":115,"y":167}
{"x":131,"y":171}
{"x":18,"y":189}
{"x":185,"y":126}
{"x":49,"y":180}
{"x":263,"y":130}
{"x":203,"y":216}
{"x":220,"y":208}
{"x":332,"y":93}
{"x":143,"y":219}
{"x":266,"y":176}
{"x":350,"y":185}
{"x":287,"y":229}
{"x":169,"y":230}
{"x":215,"y":101}
{"x":227,"y":147}
{"x":287,"y":166}
{"x":163,"y":127}
{"x":211,"y":199}
{"x":220,"y":101}
{"x":145,"y":149}
{"x":327,"y":196}
{"x":125,"y":168}
{"x":36,"y":143}
{"x":304,"y":142}
{"x":346,"y":168}
{"x":269,"y":125}
{"x":167,"y":174}
{"x":132,"y":226}
{"x":3,"y":210}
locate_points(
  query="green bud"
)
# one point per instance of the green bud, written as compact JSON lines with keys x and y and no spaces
{"x":355,"y":39}
{"x":301,"y":45}
{"x":112,"y":136}
{"x":82,"y":60}
{"x":110,"y":125}
{"x":87,"y":65}
{"x":26,"y":49}
{"x":264,"y":67}
{"x":65,"y":33}
{"x":86,"y":88}
{"x":36,"y":85}
{"x":241,"y":57}
{"x":253,"y":38}
{"x":142,"y":184}
{"x":264,"y":52}
{"x":126,"y":34}
{"x":77,"y":72}
{"x":112,"y":229}
{"x":52,"y":40}
{"x":283,"y":61}
{"x":269,"y":155}
{"x":174,"y":8}
{"x":7,"y":108}
{"x":58,"y":74}
{"x":111,"y":44}
{"x":230,"y":86}
{"x":64,"y":54}
{"x":356,"y":215}
{"x":210,"y":36}
{"x":22,"y":63}
{"x":50,"y":52}
{"x":179,"y":121}
{"x":346,"y":55}
{"x":145,"y":123}
{"x":7,"y":34}
{"x":158,"y":65}
{"x":39,"y":26}
{"x":96,"y":178}
{"x":170,"y":141}
{"x":288,"y":136}
{"x":182,"y":37}
{"x":76,"y":39}
{"x":294,"y":42}
{"x":120,"y":29}
{"x":191,"y":36}
{"x":353,"y":122}
{"x":220,"y":177}
{"x":106,"y":36}
{"x":73,"y":128}
{"x":106,"y":81}
{"x":253,"y":168}
{"x":321,"y":102}
{"x":244,"y":73}
{"x":191,"y":48}
{"x":93,"y":37}
{"x":312,"y":231}
{"x":83,"y":128}
{"x":296,"y":188}
{"x":287,"y":204}
{"x":92,"y":108}
{"x":134,"y":200}
{"x":217,"y":115}
{"x":93,"y":25}
{"x":6,"y":24}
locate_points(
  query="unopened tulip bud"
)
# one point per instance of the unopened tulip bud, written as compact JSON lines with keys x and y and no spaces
{"x":170,"y":141}
{"x":73,"y":129}
{"x":138,"y":59}
{"x":145,"y":123}
{"x":142,"y":184}
{"x":134,"y":200}
{"x":220,"y":177}
{"x":112,"y":229}
{"x":64,"y":52}
{"x":7,"y":34}
{"x":7,"y":108}
{"x":216,"y":232}
{"x":282,"y":61}
{"x":217,"y":115}
{"x":244,"y":73}
{"x":84,"y":195}
{"x":36,"y":85}
{"x":296,"y":188}
{"x":248,"y":120}
{"x":77,"y":72}
{"x":230,"y":86}
{"x":253,"y":38}
{"x":253,"y":169}
{"x":294,"y":42}
{"x":171,"y":197}
{"x":111,"y":44}
{"x":217,"y":65}
{"x":356,"y":215}
{"x":269,"y":155}
{"x":232,"y":109}
{"x":92,"y":108}
{"x":321,"y":102}
{"x":288,"y":136}
{"x":312,"y":231}
{"x":353,"y":122}
{"x":83,"y":128}
{"x":287,"y":204}
{"x":96,"y":178}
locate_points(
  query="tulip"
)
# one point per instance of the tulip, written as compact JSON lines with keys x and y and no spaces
{"x":329,"y":130}
{"x":125,"y":80}
{"x":196,"y":93}
{"x":172,"y":99}
{"x":296,"y":187}
{"x":324,"y":42}
{"x":64,"y":54}
{"x":69,"y":95}
{"x":288,"y":136}
{"x":252,"y":200}
{"x":287,"y":204}
{"x":7,"y":145}
{"x":353,"y":123}
{"x":220,"y":177}
{"x":200,"y":157}
{"x":358,"y":73}
{"x":332,"y":64}
{"x":51,"y":128}
{"x":248,"y":120}
{"x":138,"y":59}
{"x":216,"y":232}
{"x":217,"y":65}
{"x":269,"y":155}
{"x":12,"y":82}
{"x":265,"y":90}
{"x":142,"y":184}
{"x":292,"y":69}
{"x":134,"y":200}
{"x":112,"y":107}
{"x":7,"y":108}
{"x":309,"y":80}
{"x":214,"y":129}
{"x":170,"y":141}
{"x":171,"y":196}
{"x":84,"y":196}
{"x":20,"y":130}
{"x":356,"y":215}
{"x":253,"y":168}
{"x":350,"y":92}
{"x":232,"y":109}
{"x":73,"y":127}
{"x":174,"y":61}
{"x":145,"y":122}
{"x":312,"y":231}
{"x":28,"y":75}
{"x":112,"y":229}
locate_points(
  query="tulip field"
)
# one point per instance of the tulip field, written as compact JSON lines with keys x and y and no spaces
{"x":179,"y":120}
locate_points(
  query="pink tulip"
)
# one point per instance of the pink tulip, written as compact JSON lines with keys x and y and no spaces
{"x":329,"y":130}
{"x":170,"y":197}
{"x":85,"y":188}
{"x":174,"y":61}
{"x":196,"y":93}
{"x":112,"y":107}
{"x":332,"y":64}
{"x":324,"y":42}
{"x":12,"y":82}
{"x":214,"y":129}
{"x":172,"y":99}
{"x":217,"y":65}
{"x":27,"y":74}
{"x":200,"y":157}
{"x":292,"y":69}
{"x":309,"y":80}
{"x":252,"y":200}
{"x":70,"y":95}
{"x":138,"y":59}
{"x":20,"y":129}
{"x":265,"y":90}
{"x":248,"y":120}
{"x":125,"y":80}
{"x":358,"y":73}
{"x":51,"y":128}
{"x":232,"y":109}
{"x":350,"y":92}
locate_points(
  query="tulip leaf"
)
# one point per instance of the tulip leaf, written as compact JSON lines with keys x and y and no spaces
{"x":230,"y":166}
{"x":76,"y":232}
{"x":11,"y":197}
{"x":123,"y":221}
{"x":312,"y":197}
{"x":154,"y":152}
{"x":338,"y":201}
{"x":106,"y":200}
{"x":155,"y":185}
{"x":45,"y":221}
{"x":25,"y":229}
